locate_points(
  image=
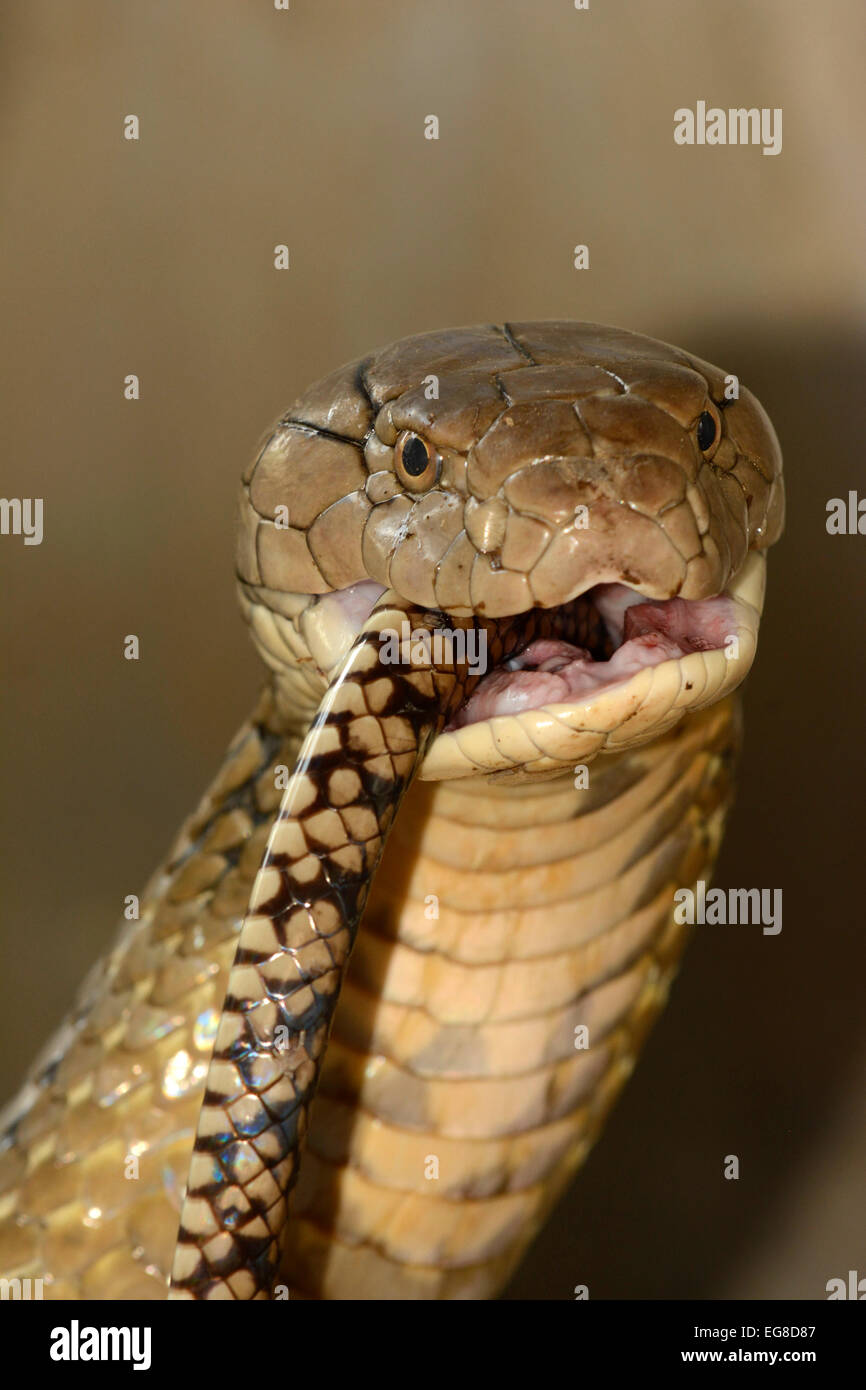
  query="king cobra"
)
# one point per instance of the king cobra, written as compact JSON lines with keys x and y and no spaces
{"x":505,"y":581}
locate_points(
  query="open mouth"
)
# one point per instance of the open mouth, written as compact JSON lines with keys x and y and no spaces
{"x":623,"y":670}
{"x":616,"y":633}
{"x":629,"y":633}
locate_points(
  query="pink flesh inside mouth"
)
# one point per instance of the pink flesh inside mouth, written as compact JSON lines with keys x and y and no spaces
{"x":645,"y":632}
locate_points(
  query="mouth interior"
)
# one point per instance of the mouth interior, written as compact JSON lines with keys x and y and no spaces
{"x":634,"y":632}
{"x":622,"y":633}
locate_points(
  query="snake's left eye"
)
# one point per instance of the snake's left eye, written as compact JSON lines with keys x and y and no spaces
{"x":709,"y":430}
{"x":415,"y":463}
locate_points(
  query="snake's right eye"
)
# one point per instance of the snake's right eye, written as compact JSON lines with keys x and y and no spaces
{"x":709,"y":430}
{"x":415,"y":463}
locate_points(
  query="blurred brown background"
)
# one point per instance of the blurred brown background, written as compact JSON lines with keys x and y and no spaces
{"x":156,"y":257}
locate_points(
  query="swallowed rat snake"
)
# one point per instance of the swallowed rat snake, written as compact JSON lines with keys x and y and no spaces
{"x":472,"y":561}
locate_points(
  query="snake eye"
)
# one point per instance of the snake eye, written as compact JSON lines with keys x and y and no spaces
{"x":709,"y":431}
{"x":415,"y":463}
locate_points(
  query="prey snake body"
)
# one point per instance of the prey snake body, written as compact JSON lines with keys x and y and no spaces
{"x":401,"y":959}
